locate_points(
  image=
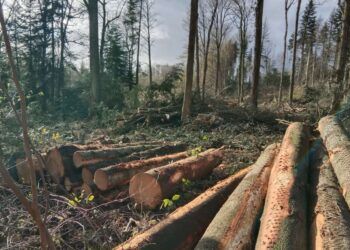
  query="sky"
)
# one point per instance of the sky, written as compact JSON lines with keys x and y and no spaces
{"x":171,"y":35}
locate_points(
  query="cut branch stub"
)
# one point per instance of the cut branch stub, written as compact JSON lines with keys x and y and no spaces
{"x":234,"y":225}
{"x":337,"y":143}
{"x":120,"y":174}
{"x":283,"y":224}
{"x":151,"y":187}
{"x":183,"y":228}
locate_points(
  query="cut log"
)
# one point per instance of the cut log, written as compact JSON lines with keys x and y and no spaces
{"x":23,"y":169}
{"x":337,"y":143}
{"x":283,"y":224}
{"x":60,"y":161}
{"x":90,"y":169}
{"x":82,"y":158}
{"x":183,"y":228}
{"x":330,"y":216}
{"x":120,"y":174}
{"x":235,"y":224}
{"x":149,"y":188}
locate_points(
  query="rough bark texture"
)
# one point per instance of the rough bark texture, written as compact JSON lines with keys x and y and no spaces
{"x":337,"y":143}
{"x":186,"y":107}
{"x":257,"y":51}
{"x":295,"y":48}
{"x":330,"y":219}
{"x":283,"y":224}
{"x":183,"y":228}
{"x":89,"y":169}
{"x":151,"y":187}
{"x":120,"y":174}
{"x":233,"y":226}
{"x":81,"y":158}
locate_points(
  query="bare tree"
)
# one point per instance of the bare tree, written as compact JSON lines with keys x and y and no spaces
{"x":186,"y":108}
{"x":32,"y":206}
{"x":221,"y":28}
{"x":287,"y":5}
{"x":139,"y":43}
{"x":150,"y":20}
{"x":295,"y":48}
{"x":206,"y":48}
{"x":242,"y":12}
{"x":259,"y":10}
{"x":106,"y":22}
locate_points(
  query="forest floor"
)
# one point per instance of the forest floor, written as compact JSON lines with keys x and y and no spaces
{"x":96,"y":225}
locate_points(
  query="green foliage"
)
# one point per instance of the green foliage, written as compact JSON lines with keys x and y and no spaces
{"x":164,"y":91}
{"x":196,"y":151}
{"x":169,"y":203}
{"x":273,"y":78}
{"x":308,"y":24}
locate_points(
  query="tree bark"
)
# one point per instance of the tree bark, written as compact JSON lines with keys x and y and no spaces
{"x":120,"y":174}
{"x":330,"y":215}
{"x":149,"y":188}
{"x":83,"y":158}
{"x":286,"y":8}
{"x":233,"y":226}
{"x":139,"y":44}
{"x":257,"y":51}
{"x":295,"y":48}
{"x":283,"y":223}
{"x":92,"y":7}
{"x":337,"y":143}
{"x":183,"y":228}
{"x":186,"y":107}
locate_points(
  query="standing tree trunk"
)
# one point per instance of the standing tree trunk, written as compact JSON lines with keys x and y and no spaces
{"x":149,"y":41}
{"x":344,"y":45}
{"x":286,"y":9}
{"x":197,"y":66}
{"x":218,"y":66}
{"x":186,"y":108}
{"x":92,"y":6}
{"x":295,"y":44}
{"x":138,"y":44}
{"x":257,"y":51}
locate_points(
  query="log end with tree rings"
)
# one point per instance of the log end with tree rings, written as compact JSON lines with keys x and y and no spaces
{"x":147,"y":190}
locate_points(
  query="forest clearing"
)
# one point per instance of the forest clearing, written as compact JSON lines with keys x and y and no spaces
{"x":237,"y":137}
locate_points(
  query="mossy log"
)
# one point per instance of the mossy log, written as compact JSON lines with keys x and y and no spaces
{"x":120,"y":174}
{"x":235,"y":224}
{"x":283,"y":223}
{"x":337,"y":142}
{"x":183,"y":228}
{"x":330,"y":215}
{"x":149,"y":188}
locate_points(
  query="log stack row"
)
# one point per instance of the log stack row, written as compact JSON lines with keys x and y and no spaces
{"x":265,"y":206}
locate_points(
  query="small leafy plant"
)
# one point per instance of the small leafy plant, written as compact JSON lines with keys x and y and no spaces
{"x":169,"y":203}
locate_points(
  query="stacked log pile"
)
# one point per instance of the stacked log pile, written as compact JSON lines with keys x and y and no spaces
{"x":272,"y":191}
{"x":265,"y":206}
